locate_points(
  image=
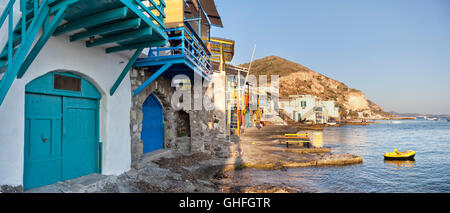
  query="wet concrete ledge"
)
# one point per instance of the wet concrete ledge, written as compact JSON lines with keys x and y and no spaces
{"x":261,"y":150}
{"x":337,"y":160}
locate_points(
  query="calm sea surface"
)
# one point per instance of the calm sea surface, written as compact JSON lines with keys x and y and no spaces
{"x":429,"y":173}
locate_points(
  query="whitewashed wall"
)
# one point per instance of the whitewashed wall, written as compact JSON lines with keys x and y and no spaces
{"x":331,"y":110}
{"x":99,"y":68}
{"x":4,"y":27}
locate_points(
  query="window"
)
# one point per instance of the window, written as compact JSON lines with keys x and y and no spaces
{"x":303,"y":104}
{"x":64,"y":82}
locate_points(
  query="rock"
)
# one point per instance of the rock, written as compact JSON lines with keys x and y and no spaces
{"x":10,"y":189}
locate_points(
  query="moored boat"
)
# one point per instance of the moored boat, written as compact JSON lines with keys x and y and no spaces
{"x":396,"y":155}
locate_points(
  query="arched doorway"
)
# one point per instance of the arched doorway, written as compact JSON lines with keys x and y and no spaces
{"x":152,"y":124}
{"x":61,"y":129}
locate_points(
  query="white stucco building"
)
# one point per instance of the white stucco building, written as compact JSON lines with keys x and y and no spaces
{"x":331,"y":110}
{"x":96,"y":67}
{"x":300,"y":107}
{"x":58,"y":119}
{"x":309,"y":108}
{"x":71,"y":103}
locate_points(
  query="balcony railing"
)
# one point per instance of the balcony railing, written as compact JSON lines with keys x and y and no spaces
{"x":185,"y":42}
{"x":151,"y":9}
{"x":117,"y":24}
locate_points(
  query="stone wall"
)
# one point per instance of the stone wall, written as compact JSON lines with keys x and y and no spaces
{"x":183,"y":124}
{"x":202,"y":134}
{"x":10,"y":189}
{"x":163,"y":91}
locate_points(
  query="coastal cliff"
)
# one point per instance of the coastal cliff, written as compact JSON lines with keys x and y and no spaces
{"x":298,"y":79}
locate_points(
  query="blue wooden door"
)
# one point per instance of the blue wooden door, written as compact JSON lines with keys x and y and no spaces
{"x":43,"y":122}
{"x":152,"y":125}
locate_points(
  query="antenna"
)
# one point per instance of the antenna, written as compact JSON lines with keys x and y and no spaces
{"x":251,"y":61}
{"x":250,"y":66}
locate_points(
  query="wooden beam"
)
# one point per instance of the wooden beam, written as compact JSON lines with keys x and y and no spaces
{"x":133,"y":7}
{"x":152,"y":78}
{"x":125,"y":71}
{"x":135,"y":46}
{"x":93,"y":20}
{"x":129,"y":24}
{"x":56,"y":5}
{"x":120,"y":37}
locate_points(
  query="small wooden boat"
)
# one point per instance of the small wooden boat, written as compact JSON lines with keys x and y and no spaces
{"x":448,"y":119}
{"x":396,"y":155}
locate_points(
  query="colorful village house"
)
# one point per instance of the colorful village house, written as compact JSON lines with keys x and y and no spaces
{"x":242,"y":106}
{"x":179,"y":65}
{"x":66,"y":89}
{"x":239,"y":108}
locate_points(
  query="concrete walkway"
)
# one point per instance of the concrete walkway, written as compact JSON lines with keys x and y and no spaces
{"x":163,"y":173}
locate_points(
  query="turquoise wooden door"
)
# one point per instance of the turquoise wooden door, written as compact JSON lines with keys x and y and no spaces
{"x":43,"y":122}
{"x":61,"y":131}
{"x":79,"y":150}
{"x":152,"y":125}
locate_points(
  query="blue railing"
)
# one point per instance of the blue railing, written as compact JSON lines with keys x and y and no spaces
{"x":20,"y":38}
{"x":189,"y":45}
{"x":8,"y":12}
{"x":20,"y":32}
{"x":149,"y":7}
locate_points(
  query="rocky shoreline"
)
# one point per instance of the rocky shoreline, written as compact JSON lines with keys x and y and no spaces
{"x":195,"y":173}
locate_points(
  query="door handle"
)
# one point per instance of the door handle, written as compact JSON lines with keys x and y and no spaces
{"x":45,"y":140}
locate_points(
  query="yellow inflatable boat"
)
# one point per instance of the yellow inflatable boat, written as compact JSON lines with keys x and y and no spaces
{"x":408,"y":155}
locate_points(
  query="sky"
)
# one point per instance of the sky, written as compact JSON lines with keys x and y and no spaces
{"x":396,"y":51}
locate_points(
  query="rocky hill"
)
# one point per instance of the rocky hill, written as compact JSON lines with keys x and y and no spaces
{"x":298,"y":79}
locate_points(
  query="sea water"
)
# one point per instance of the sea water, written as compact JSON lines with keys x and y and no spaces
{"x":430,"y":172}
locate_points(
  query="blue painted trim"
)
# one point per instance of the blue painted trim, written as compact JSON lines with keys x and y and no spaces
{"x":148,"y":11}
{"x":100,"y":157}
{"x":93,"y":20}
{"x":133,"y":7}
{"x":121,"y":37}
{"x":152,"y":78}
{"x":129,"y":24}
{"x":7,"y":11}
{"x":189,"y":26}
{"x":174,"y":59}
{"x":125,"y":71}
{"x":136,"y":46}
{"x":45,"y":85}
{"x":193,"y":54}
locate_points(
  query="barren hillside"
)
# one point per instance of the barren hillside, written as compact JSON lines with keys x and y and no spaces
{"x":298,"y":79}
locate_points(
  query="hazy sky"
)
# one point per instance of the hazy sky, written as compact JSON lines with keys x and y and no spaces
{"x":396,"y":51}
